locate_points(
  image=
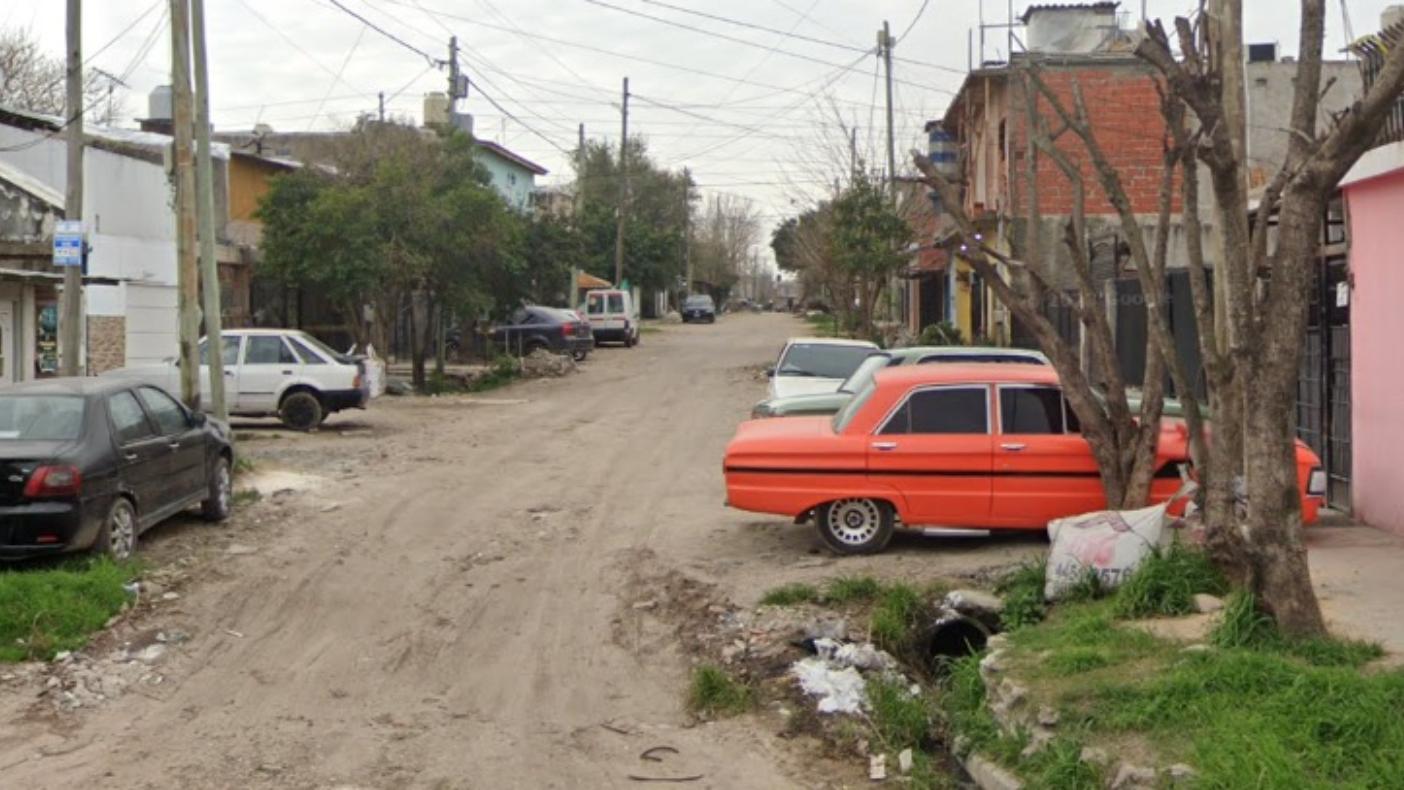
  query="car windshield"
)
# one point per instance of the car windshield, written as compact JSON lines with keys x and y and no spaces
{"x":324,"y":349}
{"x":41,"y":418}
{"x":822,"y":360}
{"x":701,"y":300}
{"x":865,"y":372}
{"x":845,"y":414}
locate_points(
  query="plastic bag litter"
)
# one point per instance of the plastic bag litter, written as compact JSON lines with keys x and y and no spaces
{"x":853,"y":654}
{"x":1110,"y":543}
{"x":839,"y":690}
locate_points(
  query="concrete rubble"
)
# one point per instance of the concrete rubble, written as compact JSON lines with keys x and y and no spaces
{"x":543,"y":364}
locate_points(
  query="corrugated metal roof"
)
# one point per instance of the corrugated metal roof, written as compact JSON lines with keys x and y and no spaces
{"x":32,"y":185}
{"x":98,"y":135}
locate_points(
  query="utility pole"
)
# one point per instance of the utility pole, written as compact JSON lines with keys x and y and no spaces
{"x":623,"y":189}
{"x":853,"y":154}
{"x":204,"y":177}
{"x":381,"y":104}
{"x":453,"y":72}
{"x":187,"y":272}
{"x":885,"y":47}
{"x":687,"y":230}
{"x":71,"y":338}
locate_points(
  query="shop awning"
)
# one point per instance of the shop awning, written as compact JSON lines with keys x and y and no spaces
{"x":26,"y":275}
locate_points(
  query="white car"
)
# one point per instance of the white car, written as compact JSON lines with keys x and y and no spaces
{"x":816,"y":365}
{"x":274,"y":372}
{"x":613,"y":316}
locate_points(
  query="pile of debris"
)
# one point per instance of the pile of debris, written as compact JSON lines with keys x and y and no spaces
{"x":543,"y":364}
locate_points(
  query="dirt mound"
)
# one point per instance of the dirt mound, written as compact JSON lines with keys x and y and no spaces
{"x":543,"y":364}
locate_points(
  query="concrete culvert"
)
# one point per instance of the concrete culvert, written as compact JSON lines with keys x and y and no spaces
{"x":951,"y":637}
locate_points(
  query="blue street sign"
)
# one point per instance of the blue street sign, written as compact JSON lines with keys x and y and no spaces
{"x":68,"y":243}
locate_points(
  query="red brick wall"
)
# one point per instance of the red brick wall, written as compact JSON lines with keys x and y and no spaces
{"x":1124,"y":110}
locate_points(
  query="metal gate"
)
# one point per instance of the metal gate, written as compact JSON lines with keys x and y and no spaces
{"x":1323,"y":383}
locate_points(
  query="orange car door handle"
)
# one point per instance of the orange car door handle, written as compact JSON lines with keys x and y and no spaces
{"x":1012,"y":447}
{"x":885,"y":446}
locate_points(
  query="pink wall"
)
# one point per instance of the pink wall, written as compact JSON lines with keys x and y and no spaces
{"x":1377,"y":350}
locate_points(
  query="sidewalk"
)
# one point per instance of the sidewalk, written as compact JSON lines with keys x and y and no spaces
{"x":1358,"y":572}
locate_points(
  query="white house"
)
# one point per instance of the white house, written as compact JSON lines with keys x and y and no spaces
{"x":130,"y":289}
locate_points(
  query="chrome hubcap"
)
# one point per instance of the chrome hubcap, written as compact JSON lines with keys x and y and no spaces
{"x":122,"y":533}
{"x":223,"y":486}
{"x":854,"y":522}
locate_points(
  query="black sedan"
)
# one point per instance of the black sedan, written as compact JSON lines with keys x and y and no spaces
{"x":699,"y":307}
{"x":91,"y":463}
{"x":552,"y":328}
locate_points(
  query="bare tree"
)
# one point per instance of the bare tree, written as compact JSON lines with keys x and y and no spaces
{"x":1252,"y":348}
{"x":723,"y":239}
{"x":32,"y":80}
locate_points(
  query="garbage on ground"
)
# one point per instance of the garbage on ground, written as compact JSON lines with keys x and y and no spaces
{"x":840,"y":690}
{"x":852,"y":654}
{"x":877,"y":767}
{"x":547,"y":364}
{"x":1109,"y":543}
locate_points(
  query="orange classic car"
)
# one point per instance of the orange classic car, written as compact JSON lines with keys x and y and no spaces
{"x":942,"y":449}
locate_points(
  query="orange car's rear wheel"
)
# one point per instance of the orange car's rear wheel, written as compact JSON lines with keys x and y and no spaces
{"x":855,"y":526}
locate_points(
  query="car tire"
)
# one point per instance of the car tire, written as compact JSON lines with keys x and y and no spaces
{"x":579,"y":355}
{"x":117,"y":538}
{"x":629,"y":340}
{"x":855,"y":526}
{"x":301,"y":411}
{"x":220,"y":501}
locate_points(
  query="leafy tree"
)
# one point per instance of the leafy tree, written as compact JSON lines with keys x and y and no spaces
{"x":868,"y":239}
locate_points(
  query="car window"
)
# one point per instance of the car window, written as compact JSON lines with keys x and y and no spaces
{"x":170,"y":416}
{"x":128,"y":420}
{"x":44,"y":418}
{"x":309,"y":357}
{"x":594,"y":304}
{"x":1073,"y":424}
{"x":230,"y":345}
{"x":519,"y":316}
{"x":865,"y":372}
{"x":268,"y":350}
{"x":616,"y":303}
{"x":941,"y":411}
{"x":845,"y":415}
{"x":1031,"y":410}
{"x":823,"y":360}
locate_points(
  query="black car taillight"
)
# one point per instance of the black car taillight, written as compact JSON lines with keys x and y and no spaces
{"x":52,"y":481}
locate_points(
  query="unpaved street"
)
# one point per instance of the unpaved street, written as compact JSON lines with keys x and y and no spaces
{"x":465,"y":600}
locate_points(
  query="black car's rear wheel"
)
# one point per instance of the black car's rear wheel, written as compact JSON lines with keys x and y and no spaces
{"x":579,"y":354}
{"x":301,"y":411}
{"x":221,"y":494}
{"x":855,"y":526}
{"x":119,"y":531}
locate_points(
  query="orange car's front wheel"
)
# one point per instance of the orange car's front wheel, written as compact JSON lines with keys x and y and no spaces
{"x":855,"y":526}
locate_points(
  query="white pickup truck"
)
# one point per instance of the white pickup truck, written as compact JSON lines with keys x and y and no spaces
{"x":275,"y":372}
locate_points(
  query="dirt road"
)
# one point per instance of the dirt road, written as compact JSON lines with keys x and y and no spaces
{"x":461,"y":603}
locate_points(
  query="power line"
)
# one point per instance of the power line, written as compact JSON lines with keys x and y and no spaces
{"x":797,"y":36}
{"x":745,"y":42}
{"x":912,"y":24}
{"x":433,"y":61}
{"x":292,"y":43}
{"x":344,"y":62}
{"x":125,"y":31}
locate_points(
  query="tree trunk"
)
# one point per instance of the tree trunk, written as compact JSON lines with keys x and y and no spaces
{"x":419,"y":329}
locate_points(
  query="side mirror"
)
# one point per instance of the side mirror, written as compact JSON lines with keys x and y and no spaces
{"x":770,"y":373}
{"x":198,"y":419}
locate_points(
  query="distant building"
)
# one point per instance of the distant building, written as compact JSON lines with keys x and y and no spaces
{"x":513,"y":175}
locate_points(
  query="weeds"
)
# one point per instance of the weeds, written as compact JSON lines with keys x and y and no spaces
{"x":898,"y":610}
{"x":1166,"y":582}
{"x":44,"y":611}
{"x":243,"y":465}
{"x":1244,"y":626}
{"x":713,"y":692}
{"x":1023,"y":596}
{"x":246,"y":496}
{"x":852,"y":589}
{"x":900,"y":718}
{"x":790,"y":594}
{"x":503,"y":371}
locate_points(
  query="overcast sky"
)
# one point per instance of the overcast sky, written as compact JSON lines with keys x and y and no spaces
{"x":746,"y":114}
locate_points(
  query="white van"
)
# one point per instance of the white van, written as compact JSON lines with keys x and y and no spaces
{"x":613,"y":316}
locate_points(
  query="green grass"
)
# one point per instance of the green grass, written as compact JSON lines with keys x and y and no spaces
{"x":790,"y":594}
{"x":243,"y":465}
{"x":1243,"y":626}
{"x":1022,"y":591}
{"x":47,"y":610}
{"x":714,"y":692}
{"x":901,"y":719}
{"x":1166,"y":583}
{"x":898,"y":611}
{"x":246,"y":496}
{"x":851,"y":589}
{"x":504,"y":371}
{"x":823,"y":324}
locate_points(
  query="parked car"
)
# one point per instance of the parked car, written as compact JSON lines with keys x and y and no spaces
{"x":810,"y":365}
{"x":699,"y":307}
{"x":535,"y":327}
{"x":273,"y":372}
{"x":934,"y":447}
{"x":613,"y":316}
{"x":91,"y":463}
{"x":831,"y":402}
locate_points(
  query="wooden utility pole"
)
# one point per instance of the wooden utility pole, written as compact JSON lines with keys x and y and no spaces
{"x":380,"y":114}
{"x":623,"y":189}
{"x":187,"y":272}
{"x":71,"y":325}
{"x":687,"y":229}
{"x":853,"y":154}
{"x":204,"y":172}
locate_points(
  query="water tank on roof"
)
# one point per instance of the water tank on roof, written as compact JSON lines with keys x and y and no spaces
{"x":158,"y":103}
{"x":941,"y":149}
{"x":436,"y":109}
{"x":1070,"y":29}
